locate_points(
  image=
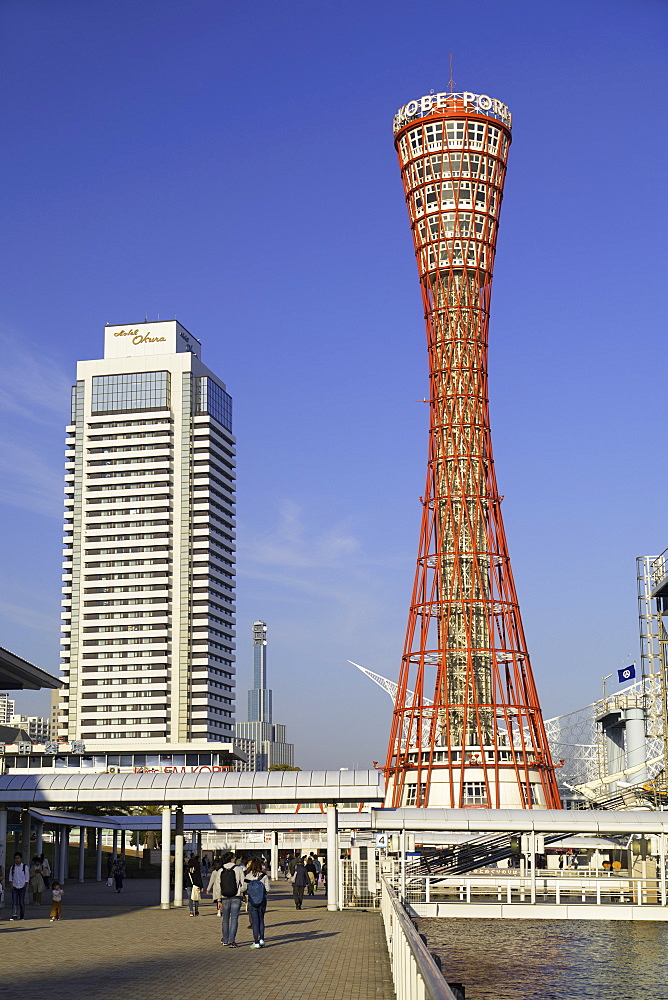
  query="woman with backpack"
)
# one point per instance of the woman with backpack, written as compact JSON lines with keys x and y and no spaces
{"x":256,"y":883}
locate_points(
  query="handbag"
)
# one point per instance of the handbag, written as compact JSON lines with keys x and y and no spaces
{"x":110,"y":881}
{"x":195,"y":893}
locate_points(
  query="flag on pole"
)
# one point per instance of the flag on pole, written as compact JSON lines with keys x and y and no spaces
{"x":627,"y":673}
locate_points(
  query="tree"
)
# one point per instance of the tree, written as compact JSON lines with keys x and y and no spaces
{"x":283,"y":767}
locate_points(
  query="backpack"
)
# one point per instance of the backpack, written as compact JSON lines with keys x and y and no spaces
{"x":228,"y":882}
{"x":256,"y":891}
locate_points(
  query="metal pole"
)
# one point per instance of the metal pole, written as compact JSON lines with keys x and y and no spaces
{"x":114,"y":850}
{"x":3,"y":837}
{"x":138,"y":849}
{"x":274,"y":854}
{"x":403,"y":866}
{"x":178,"y":858}
{"x":82,"y":852}
{"x":98,"y":856}
{"x":25,"y":836}
{"x":64,"y":852}
{"x":122,"y":843}
{"x":55,"y":869}
{"x":39,"y":837}
{"x":165,"y":856}
{"x":332,"y":857}
{"x":54,"y":852}
{"x":532,"y":848}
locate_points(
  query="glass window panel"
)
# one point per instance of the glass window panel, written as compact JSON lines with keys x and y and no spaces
{"x":133,"y":391}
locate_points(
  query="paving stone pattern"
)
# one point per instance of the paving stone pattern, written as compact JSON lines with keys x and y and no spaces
{"x":123,"y":947}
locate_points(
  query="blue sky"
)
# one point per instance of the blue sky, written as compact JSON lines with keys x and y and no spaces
{"x":232,"y":164}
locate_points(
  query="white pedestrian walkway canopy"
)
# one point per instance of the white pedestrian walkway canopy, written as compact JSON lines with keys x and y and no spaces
{"x":185,"y":788}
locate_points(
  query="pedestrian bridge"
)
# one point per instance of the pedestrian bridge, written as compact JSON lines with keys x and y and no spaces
{"x":186,"y":788}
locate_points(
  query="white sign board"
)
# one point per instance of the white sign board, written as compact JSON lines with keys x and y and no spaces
{"x":478,"y":103}
{"x":139,"y":340}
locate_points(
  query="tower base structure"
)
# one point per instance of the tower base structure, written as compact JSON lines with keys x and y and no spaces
{"x":456,"y":786}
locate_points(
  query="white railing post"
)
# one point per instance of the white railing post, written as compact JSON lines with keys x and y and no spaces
{"x":415,"y":973}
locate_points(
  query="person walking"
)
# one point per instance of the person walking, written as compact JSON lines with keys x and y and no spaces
{"x":213,"y":888}
{"x":256,"y":885}
{"x":318,"y":868}
{"x":194,"y":879}
{"x":118,"y":872}
{"x":309,"y":868}
{"x":56,"y":901}
{"x":46,"y":870}
{"x":19,"y":876}
{"x":37,"y":884}
{"x":299,"y":880}
{"x":231,"y":891}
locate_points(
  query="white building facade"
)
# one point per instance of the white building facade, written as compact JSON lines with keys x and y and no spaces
{"x":7,"y":708}
{"x":149,"y":545}
{"x":36,"y":726}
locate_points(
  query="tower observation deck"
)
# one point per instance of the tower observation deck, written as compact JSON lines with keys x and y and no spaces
{"x":467,"y":728}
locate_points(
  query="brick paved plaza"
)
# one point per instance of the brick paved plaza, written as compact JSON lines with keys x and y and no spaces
{"x":123,"y":947}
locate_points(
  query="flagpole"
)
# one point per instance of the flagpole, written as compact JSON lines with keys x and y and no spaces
{"x":604,"y":679}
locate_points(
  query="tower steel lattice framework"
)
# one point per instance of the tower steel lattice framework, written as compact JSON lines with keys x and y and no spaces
{"x":467,"y":728}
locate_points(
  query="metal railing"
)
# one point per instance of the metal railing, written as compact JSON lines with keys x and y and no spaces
{"x":415,"y":974}
{"x":610,"y":890}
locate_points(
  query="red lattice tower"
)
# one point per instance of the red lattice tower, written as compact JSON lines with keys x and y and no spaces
{"x":467,"y":728}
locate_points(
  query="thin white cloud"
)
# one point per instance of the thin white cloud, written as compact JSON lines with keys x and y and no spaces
{"x":28,"y":481}
{"x":32,"y":385}
{"x":28,"y":617}
{"x":291,"y":544}
{"x":34,"y":395}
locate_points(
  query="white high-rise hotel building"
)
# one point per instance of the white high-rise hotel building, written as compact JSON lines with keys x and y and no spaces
{"x":148,"y":580}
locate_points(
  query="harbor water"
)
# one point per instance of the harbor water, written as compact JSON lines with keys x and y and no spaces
{"x":552,"y":959}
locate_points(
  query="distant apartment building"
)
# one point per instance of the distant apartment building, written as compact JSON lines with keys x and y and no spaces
{"x":7,"y":708}
{"x":37,"y":727}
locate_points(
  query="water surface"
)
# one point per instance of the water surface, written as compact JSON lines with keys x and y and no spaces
{"x":552,"y":959}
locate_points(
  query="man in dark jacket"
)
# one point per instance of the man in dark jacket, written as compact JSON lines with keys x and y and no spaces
{"x":299,"y":882}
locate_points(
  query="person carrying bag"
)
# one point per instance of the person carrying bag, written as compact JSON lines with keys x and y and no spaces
{"x":256,"y":883}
